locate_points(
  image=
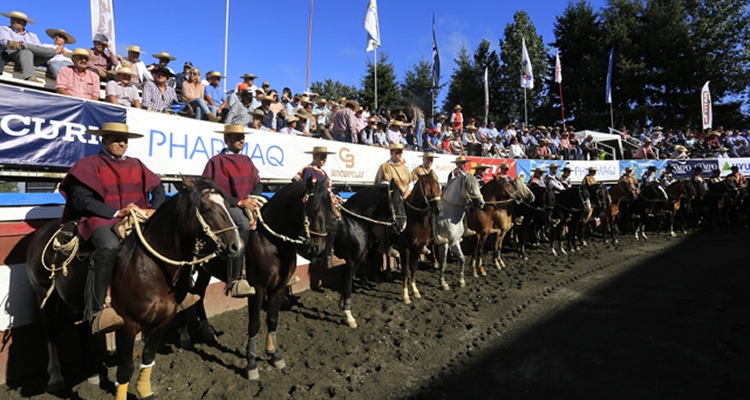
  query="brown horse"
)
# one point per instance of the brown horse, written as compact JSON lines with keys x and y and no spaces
{"x":617,"y":192}
{"x":423,"y":206}
{"x":150,"y":278}
{"x":675,"y":194}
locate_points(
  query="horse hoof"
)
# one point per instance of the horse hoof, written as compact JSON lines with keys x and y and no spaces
{"x":526,"y":258}
{"x":474,"y":275}
{"x":462,"y":283}
{"x":484,"y":273}
{"x":252,"y":374}
{"x":446,"y":287}
{"x":417,"y":294}
{"x":55,"y":386}
{"x":407,"y":300}
{"x":279,"y":364}
{"x":578,"y":248}
{"x":673,"y":234}
{"x":185,"y":343}
{"x":352,"y":324}
{"x":554,"y":253}
{"x":584,"y":243}
{"x":94,"y":379}
{"x":617,"y":241}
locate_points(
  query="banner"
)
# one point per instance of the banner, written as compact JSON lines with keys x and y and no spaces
{"x":527,"y":75}
{"x":528,"y":166}
{"x":686,"y":168}
{"x":609,"y":75}
{"x":706,"y":112}
{"x":726,"y":165}
{"x":103,"y":20}
{"x":486,"y":94}
{"x":435,"y":58}
{"x":372,"y":26}
{"x":494,"y":168}
{"x":640,"y":166}
{"x":558,"y":68}
{"x":606,"y":171}
{"x":46,"y":130}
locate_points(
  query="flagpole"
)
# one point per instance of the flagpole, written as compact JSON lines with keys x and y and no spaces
{"x":562,"y":106}
{"x":525,"y":110}
{"x":309,"y":44}
{"x":226,"y":45}
{"x":375,"y":56}
{"x":611,"y":116}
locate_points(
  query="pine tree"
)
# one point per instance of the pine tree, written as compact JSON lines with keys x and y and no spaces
{"x":334,"y":90}
{"x":417,"y":86}
{"x":389,"y":95}
{"x":465,"y":87}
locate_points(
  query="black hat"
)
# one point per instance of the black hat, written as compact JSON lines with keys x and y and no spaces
{"x":162,"y":70}
{"x":698,"y":168}
{"x":188,"y":64}
{"x":650,"y":167}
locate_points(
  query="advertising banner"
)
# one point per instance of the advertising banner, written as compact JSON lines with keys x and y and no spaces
{"x":527,"y":166}
{"x":43,"y":129}
{"x":494,"y":168}
{"x":641,"y":166}
{"x":606,"y":171}
{"x":686,"y":168}
{"x":725,"y":164}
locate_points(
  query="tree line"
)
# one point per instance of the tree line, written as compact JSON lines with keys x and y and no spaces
{"x":664,"y":51}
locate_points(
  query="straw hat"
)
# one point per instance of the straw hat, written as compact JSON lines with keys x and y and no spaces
{"x":429,"y":154}
{"x":249,"y":76}
{"x":291,"y":118}
{"x":212,"y":74}
{"x":374,"y":120}
{"x":302,"y":113}
{"x":628,"y":169}
{"x":481,"y":166}
{"x":681,"y":148}
{"x":304,"y":99}
{"x":396,"y":122}
{"x":592,"y":169}
{"x":396,"y":146}
{"x":460,"y":159}
{"x":233,"y":130}
{"x":19,"y":15}
{"x":321,"y":101}
{"x":163,"y":54}
{"x":553,"y":165}
{"x":79,"y":51}
{"x":345,"y":103}
{"x":257,"y":113}
{"x":320,"y":150}
{"x":114,"y":128}
{"x":457,"y":107}
{"x":124,"y":70}
{"x":69,"y":39}
{"x":504,"y":166}
{"x":723,"y":149}
{"x":134,"y":49}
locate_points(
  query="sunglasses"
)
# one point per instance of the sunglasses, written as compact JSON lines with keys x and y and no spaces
{"x":118,"y":139}
{"x":193,"y":73}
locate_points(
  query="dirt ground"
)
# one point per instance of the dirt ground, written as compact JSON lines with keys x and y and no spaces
{"x":655,"y":319}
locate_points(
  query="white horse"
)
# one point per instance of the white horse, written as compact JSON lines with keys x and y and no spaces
{"x":460,"y":193}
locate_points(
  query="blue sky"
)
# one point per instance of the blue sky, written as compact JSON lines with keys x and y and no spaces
{"x":269,"y":38}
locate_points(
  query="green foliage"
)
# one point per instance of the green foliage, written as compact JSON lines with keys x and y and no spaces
{"x":417,"y":86}
{"x":8,"y":187}
{"x":389,"y":95}
{"x":465,"y":88}
{"x":334,"y":90}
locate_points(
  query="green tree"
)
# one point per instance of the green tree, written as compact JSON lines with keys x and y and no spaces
{"x":465,"y":87}
{"x":484,"y":58}
{"x":417,"y":86}
{"x":334,"y":90}
{"x":389,"y":95}
{"x":8,"y":187}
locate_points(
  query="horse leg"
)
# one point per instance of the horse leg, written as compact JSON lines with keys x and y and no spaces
{"x":50,"y":315}
{"x":481,"y":239}
{"x":254,"y":304}
{"x":414,"y":266}
{"x":406,"y":269}
{"x":671,"y":223}
{"x":524,"y":232}
{"x":272,"y":322}
{"x":346,"y":293}
{"x":497,"y":251}
{"x":442,"y":255}
{"x":153,"y":338}
{"x":125,"y":339}
{"x":197,"y":313}
{"x":456,"y":247}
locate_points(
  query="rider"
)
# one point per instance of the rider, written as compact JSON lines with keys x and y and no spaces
{"x":737,"y":177}
{"x":536,"y":179}
{"x":590,"y":179}
{"x":100,"y":191}
{"x":630,"y":180}
{"x":715,"y":177}
{"x":426,"y":168}
{"x":667,"y":178}
{"x":460,"y":162}
{"x":504,"y":172}
{"x":697,"y":175}
{"x":395,"y":169}
{"x":649,"y":177}
{"x":565,"y":180}
{"x":237,"y":176}
{"x":551,"y":180}
{"x":479,"y":173}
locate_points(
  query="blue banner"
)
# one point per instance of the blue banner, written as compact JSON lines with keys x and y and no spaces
{"x":640,"y":166}
{"x":528,"y":166}
{"x":41,"y":129}
{"x":685,"y":168}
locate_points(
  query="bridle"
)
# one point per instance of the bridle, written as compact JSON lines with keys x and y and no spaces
{"x":572,"y":209}
{"x":426,"y":200}
{"x":302,"y":240}
{"x":468,"y":197}
{"x":641,"y":195}
{"x":392,"y":221}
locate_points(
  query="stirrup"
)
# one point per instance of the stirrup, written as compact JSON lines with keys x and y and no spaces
{"x":294,"y":279}
{"x":105,"y":321}
{"x":190,"y":300}
{"x":241,"y":288}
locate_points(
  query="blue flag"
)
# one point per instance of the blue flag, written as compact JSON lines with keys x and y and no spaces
{"x":609,"y":75}
{"x":435,"y":58}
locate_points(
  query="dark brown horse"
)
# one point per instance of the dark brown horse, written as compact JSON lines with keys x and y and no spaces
{"x":423,"y":207}
{"x":675,"y":195}
{"x":150,"y":278}
{"x":617,"y":193}
{"x":292,"y":222}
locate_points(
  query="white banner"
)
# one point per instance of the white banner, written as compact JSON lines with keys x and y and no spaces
{"x":605,"y":170}
{"x":706,"y":112}
{"x":726,"y":164}
{"x":103,"y":20}
{"x":176,"y":145}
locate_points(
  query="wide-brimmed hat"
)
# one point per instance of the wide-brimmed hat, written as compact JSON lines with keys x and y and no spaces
{"x":249,"y":76}
{"x":100,"y":37}
{"x":680,"y":148}
{"x":628,"y":169}
{"x":257,"y":113}
{"x":593,"y":169}
{"x":504,"y":166}
{"x":723,"y":149}
{"x":233,"y":130}
{"x":78,"y":51}
{"x":396,"y":146}
{"x":657,"y":128}
{"x":302,"y":113}
{"x":429,"y":154}
{"x":553,"y":165}
{"x":460,"y":159}
{"x":162,"y":70}
{"x":266,"y":98}
{"x":163,"y":54}
{"x":647,"y":140}
{"x":320,"y":150}
{"x":346,"y":102}
{"x":304,"y":99}
{"x":652,"y":167}
{"x":114,"y":128}
{"x":538,"y":169}
{"x":472,"y":127}
{"x":457,"y":107}
{"x":291,"y":118}
{"x":481,"y":166}
{"x":567,"y":169}
{"x":124,"y":70}
{"x":52,"y":32}
{"x":734,"y":167}
{"x":212,"y":74}
{"x":321,"y":100}
{"x":19,"y":15}
{"x":134,"y":49}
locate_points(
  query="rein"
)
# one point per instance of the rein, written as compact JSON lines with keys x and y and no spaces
{"x":426,"y":200}
{"x":306,"y":224}
{"x":392,"y":221}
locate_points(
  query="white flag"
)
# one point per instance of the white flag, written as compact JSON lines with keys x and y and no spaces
{"x":558,"y":68}
{"x":486,"y":94}
{"x":372,"y":26}
{"x":706,"y":112}
{"x":527,"y":76}
{"x":103,"y":20}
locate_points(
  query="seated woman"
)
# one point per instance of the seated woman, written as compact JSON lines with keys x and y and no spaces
{"x":194,"y":92}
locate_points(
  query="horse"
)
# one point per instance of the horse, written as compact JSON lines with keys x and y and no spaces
{"x":695,"y":192}
{"x":717,"y":196}
{"x":571,"y":205}
{"x":537,"y":213}
{"x":423,"y":207}
{"x":373,"y":207}
{"x":648,"y":200}
{"x":676,"y":193}
{"x":600,"y":202}
{"x":150,"y":276}
{"x":460,"y":193}
{"x":621,"y":190}
{"x":292,"y":222}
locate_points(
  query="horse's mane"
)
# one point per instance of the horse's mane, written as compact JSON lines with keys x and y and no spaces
{"x":363,"y":198}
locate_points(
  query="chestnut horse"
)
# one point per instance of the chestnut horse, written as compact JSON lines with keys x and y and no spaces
{"x":617,"y":192}
{"x":423,"y":206}
{"x":150,"y":277}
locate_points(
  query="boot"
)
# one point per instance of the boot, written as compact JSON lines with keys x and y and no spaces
{"x":237,"y":285}
{"x":468,"y":231}
{"x":103,"y":320}
{"x":190,"y":300}
{"x":212,"y":117}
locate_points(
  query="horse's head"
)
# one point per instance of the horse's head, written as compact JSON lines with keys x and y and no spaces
{"x":585,"y":197}
{"x":526,"y":194}
{"x":204,"y":214}
{"x":397,"y":208}
{"x":471,"y":188}
{"x":318,"y":214}
{"x":427,"y":194}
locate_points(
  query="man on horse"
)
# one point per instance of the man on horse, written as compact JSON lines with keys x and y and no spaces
{"x":426,"y":168}
{"x":737,"y":177}
{"x":551,"y":180}
{"x":395,"y":169}
{"x":667,"y":178}
{"x":628,"y":178}
{"x":504,"y":172}
{"x":590,"y":179}
{"x":479,"y":173}
{"x":460,"y":162}
{"x":565,"y":180}
{"x":697,"y":177}
{"x":536,"y":179}
{"x":237,"y":176}
{"x":715,"y":177}
{"x":100,"y":191}
{"x":649,"y":177}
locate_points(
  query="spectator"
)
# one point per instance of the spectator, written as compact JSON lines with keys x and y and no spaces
{"x":257,"y":116}
{"x":456,"y":145}
{"x":122,"y":91}
{"x":290,"y":106}
{"x":515,"y":150}
{"x":457,"y":119}
{"x":393,"y":133}
{"x":679,"y":153}
{"x":194,"y":93}
{"x":306,"y":122}
{"x":590,"y":151}
{"x":270,"y":120}
{"x":239,"y":113}
{"x":417,"y":120}
{"x":322,"y":115}
{"x":645,"y":151}
{"x":78,"y":80}
{"x":367,"y":135}
{"x":565,"y":148}
{"x":215,"y":96}
{"x":439,"y":124}
{"x":276,"y":107}
{"x":361,"y":120}
{"x":379,"y":138}
{"x":286,"y":95}
{"x":235,"y":96}
{"x":291,"y":125}
{"x":472,"y":145}
{"x":345,"y":123}
{"x":157,"y":95}
{"x":163,"y":63}
{"x":722,"y":153}
{"x":60,"y":59}
{"x":141,"y":74}
{"x":103,"y":59}
{"x":23,"y":47}
{"x":182,"y":77}
{"x":256,"y":98}
{"x":249,"y":80}
{"x":433,"y":142}
{"x":266,"y":87}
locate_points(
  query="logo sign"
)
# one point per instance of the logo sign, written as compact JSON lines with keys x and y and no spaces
{"x":686,"y":168}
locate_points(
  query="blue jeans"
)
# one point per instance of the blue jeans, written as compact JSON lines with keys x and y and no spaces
{"x":343,"y":137}
{"x":418,"y":132}
{"x":200,"y":107}
{"x":54,"y":66}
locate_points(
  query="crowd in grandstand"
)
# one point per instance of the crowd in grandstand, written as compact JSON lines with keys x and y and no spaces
{"x":80,"y":72}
